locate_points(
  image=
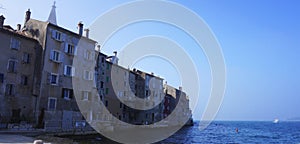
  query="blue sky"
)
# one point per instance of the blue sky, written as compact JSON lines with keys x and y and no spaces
{"x":260,"y":42}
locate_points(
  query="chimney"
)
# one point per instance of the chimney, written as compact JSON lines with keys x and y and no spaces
{"x":180,"y":88}
{"x":27,"y":16}
{"x":87,"y":33}
{"x":80,"y":27}
{"x":98,"y":48}
{"x":18,"y":27}
{"x":115,"y":52}
{"x":2,"y":18}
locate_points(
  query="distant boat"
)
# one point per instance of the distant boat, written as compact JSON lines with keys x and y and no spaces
{"x":276,"y":121}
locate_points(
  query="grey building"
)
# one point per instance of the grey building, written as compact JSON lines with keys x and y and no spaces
{"x":19,"y":75}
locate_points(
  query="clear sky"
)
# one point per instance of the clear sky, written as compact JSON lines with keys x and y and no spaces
{"x":260,"y":42}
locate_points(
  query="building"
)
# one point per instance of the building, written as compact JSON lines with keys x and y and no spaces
{"x":19,"y":75}
{"x":177,"y":103}
{"x":66,"y":57}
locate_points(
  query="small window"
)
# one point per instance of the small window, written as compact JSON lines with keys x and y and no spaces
{"x":54,"y":79}
{"x":89,"y":55}
{"x":107,"y":66}
{"x":1,"y":77}
{"x":55,"y":56}
{"x":52,"y":103}
{"x":15,"y":44}
{"x":12,"y":66}
{"x":106,"y":90}
{"x":58,"y":35}
{"x":10,"y":90}
{"x":86,"y":95}
{"x":88,"y":75}
{"x":121,"y":105}
{"x":106,"y":103}
{"x":24,"y":80}
{"x":69,"y":70}
{"x":26,"y":58}
{"x":70,"y":49}
{"x":102,"y":59}
{"x":107,"y":79}
{"x":101,"y":84}
{"x":67,"y":93}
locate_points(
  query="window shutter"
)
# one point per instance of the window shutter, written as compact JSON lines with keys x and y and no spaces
{"x":63,"y":37}
{"x":48,"y":78}
{"x":90,"y":75}
{"x":86,"y":54}
{"x":52,"y":55}
{"x":89,"y":96}
{"x":66,"y":47}
{"x":73,"y":71}
{"x":75,"y":50}
{"x":61,"y":57}
{"x":65,"y":70}
{"x":54,"y":34}
{"x":92,"y":56}
{"x":18,"y":44}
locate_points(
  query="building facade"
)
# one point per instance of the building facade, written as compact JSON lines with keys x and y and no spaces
{"x":19,"y":75}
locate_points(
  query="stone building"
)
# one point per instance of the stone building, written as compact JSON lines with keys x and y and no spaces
{"x":117,"y":87}
{"x":19,"y":75}
{"x":66,"y":57}
{"x":177,"y":103}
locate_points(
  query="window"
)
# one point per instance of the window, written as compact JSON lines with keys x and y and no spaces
{"x":24,"y":80}
{"x":1,"y":77}
{"x":26,"y":58}
{"x":52,"y":103}
{"x":107,"y":66}
{"x":106,"y":90}
{"x":70,"y":49}
{"x":89,"y":55}
{"x":12,"y":66}
{"x":58,"y":35}
{"x":106,"y":103}
{"x":54,"y":79}
{"x":69,"y":70}
{"x":88,"y":75}
{"x":107,"y":79}
{"x":9,"y":90}
{"x":15,"y":44}
{"x":67,"y":93}
{"x":86,"y":95}
{"x":55,"y":56}
{"x":102,"y":59}
{"x":101,"y":84}
{"x":121,"y":105}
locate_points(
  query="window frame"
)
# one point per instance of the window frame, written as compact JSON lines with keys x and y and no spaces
{"x":15,"y":43}
{"x":55,"y":104}
{"x":14,"y":69}
{"x":54,"y":58}
{"x":57,"y":78}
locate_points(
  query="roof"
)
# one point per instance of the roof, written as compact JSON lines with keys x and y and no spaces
{"x":9,"y":30}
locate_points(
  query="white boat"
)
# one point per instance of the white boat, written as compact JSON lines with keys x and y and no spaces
{"x":276,"y":121}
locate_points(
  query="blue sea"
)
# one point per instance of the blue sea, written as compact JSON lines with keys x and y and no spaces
{"x":225,"y":132}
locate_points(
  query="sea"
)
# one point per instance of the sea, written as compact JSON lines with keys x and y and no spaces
{"x":226,"y":132}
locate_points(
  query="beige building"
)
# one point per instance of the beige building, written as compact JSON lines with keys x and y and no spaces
{"x":19,"y":75}
{"x":68,"y":61}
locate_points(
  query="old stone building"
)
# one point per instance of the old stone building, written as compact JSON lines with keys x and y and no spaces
{"x":66,"y":57}
{"x":19,"y":75}
{"x":177,"y":103}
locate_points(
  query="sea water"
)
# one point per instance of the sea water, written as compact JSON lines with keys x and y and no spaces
{"x":225,"y":132}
